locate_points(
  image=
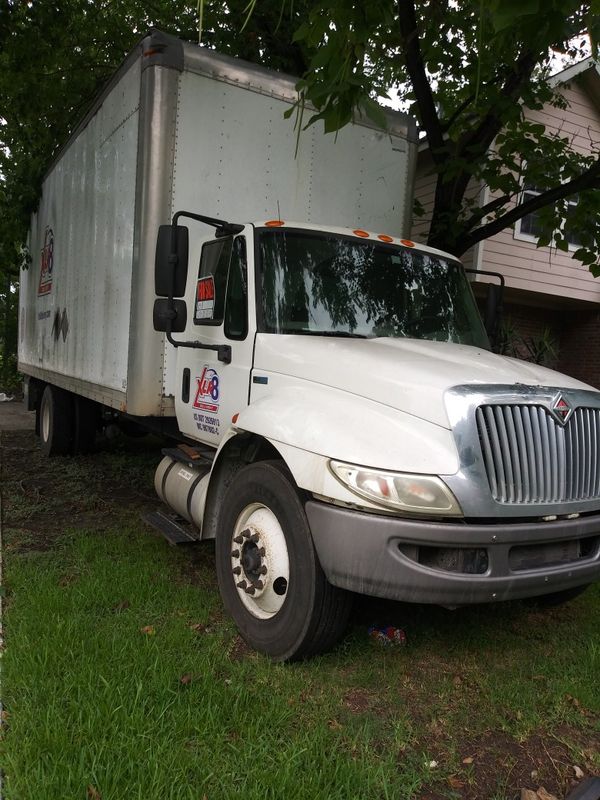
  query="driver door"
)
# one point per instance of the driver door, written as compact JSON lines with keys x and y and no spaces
{"x":210,"y":391}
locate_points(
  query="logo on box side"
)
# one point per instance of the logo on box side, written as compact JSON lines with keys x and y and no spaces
{"x":47,"y":263}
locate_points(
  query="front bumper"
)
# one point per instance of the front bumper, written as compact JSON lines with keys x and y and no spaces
{"x":382,"y":556}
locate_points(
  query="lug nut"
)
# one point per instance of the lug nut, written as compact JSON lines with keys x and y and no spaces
{"x":258,"y":585}
{"x":253,"y":538}
{"x":235,"y":553}
{"x":238,"y":539}
{"x":247,"y":533}
{"x":237,"y":570}
{"x":262,"y":552}
{"x":250,"y":590}
{"x":241,"y":585}
{"x":263,"y":570}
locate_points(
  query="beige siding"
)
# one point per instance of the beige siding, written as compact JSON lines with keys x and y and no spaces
{"x":545,"y":269}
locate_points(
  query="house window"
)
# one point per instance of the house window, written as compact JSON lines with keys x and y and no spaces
{"x":529,"y":227}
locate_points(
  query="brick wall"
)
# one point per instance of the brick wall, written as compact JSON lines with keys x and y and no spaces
{"x":534,"y":331}
{"x":580,"y":347}
{"x":575,"y":334}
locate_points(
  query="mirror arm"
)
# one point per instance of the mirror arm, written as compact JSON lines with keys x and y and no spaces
{"x":496,"y":312}
{"x":492,"y":275}
{"x":223,"y":351}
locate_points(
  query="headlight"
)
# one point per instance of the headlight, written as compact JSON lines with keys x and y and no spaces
{"x":425,"y":494}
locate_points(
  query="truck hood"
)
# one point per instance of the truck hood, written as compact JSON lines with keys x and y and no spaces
{"x":407,"y":374}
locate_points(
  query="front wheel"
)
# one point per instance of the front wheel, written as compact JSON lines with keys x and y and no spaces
{"x":269,"y":575}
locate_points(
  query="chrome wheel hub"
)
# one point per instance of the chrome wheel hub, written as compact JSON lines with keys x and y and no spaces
{"x":259,"y":561}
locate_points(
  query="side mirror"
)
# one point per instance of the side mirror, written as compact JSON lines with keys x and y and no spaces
{"x":170,"y":273}
{"x":165,"y":313}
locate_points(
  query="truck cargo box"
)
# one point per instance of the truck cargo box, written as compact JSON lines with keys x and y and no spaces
{"x":180,"y":126}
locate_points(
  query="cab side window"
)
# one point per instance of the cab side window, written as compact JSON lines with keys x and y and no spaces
{"x":221,"y":290}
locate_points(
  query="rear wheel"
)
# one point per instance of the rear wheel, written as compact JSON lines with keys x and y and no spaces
{"x":85,"y":425}
{"x":269,"y":575}
{"x":56,"y":421}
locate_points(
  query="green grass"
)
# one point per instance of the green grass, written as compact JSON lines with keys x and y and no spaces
{"x":122,"y":677}
{"x":93,"y":700}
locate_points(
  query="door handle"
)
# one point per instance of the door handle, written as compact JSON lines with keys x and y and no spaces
{"x":185,"y":386}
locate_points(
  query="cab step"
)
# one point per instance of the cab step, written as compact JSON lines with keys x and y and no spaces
{"x":197,"y":457}
{"x":174,"y":528}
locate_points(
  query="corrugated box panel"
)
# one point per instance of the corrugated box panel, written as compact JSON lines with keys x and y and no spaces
{"x":76,"y":321}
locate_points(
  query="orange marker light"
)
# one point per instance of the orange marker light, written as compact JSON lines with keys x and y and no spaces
{"x":407,"y":242}
{"x":274,"y":223}
{"x":358,"y":232}
{"x":234,"y":419}
{"x":385,"y":238}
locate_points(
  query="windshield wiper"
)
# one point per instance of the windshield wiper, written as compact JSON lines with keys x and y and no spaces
{"x":342,"y":334}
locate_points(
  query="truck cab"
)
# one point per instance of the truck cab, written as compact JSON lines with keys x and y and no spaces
{"x":365,"y":437}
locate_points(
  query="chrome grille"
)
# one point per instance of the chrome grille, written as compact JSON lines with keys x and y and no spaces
{"x":530,"y":458}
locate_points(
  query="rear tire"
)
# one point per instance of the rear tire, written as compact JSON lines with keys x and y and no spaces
{"x":85,"y":425}
{"x":56,"y":421}
{"x":269,"y":574}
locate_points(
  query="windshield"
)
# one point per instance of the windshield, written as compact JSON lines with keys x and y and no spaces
{"x":333,"y":285}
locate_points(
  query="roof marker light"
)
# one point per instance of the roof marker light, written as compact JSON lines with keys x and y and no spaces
{"x":274,"y":223}
{"x":385,"y":238}
{"x":407,"y":242}
{"x":358,"y":232}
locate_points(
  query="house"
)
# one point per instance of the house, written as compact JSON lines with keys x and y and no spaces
{"x":550,"y":298}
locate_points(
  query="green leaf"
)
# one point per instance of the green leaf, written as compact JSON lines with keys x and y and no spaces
{"x":561,"y":244}
{"x":375,"y":112}
{"x":506,"y":13}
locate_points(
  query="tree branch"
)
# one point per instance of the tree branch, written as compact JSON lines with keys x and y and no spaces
{"x":473,"y":146}
{"x":587,"y":180}
{"x":488,"y":208}
{"x":448,"y":123}
{"x":477,"y":141}
{"x":415,"y":66}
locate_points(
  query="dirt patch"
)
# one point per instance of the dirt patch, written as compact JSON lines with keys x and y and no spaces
{"x":359,"y":701}
{"x":42,"y":498}
{"x":239,"y":651}
{"x":14,"y":417}
{"x":496,"y":765}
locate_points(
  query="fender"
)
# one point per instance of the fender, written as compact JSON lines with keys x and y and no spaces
{"x":335,"y":424}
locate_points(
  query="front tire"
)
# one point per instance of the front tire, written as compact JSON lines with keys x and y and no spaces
{"x":269,"y":574}
{"x":56,"y":421}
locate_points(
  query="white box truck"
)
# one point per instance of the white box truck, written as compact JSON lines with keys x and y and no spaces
{"x":339,"y":421}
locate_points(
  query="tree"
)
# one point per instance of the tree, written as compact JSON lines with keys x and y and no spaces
{"x":56,"y":55}
{"x":468,"y":69}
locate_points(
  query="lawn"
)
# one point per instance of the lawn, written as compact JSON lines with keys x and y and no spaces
{"x":123,"y":678}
